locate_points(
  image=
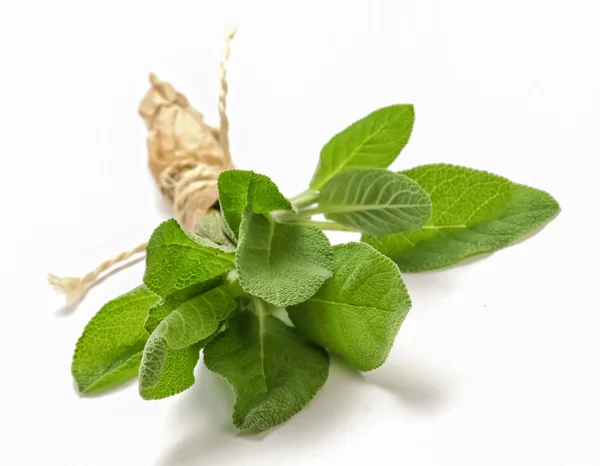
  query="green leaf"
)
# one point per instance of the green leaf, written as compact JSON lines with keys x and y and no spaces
{"x":241,"y":188}
{"x":283,"y":264}
{"x":165,"y":306}
{"x":474,"y":212}
{"x":196,"y":319}
{"x":358,"y":311}
{"x":109,"y":351}
{"x":211,"y":226}
{"x":377,"y":202}
{"x":273,"y":371}
{"x":165,"y":372}
{"x":172,"y":350}
{"x":177,"y":259}
{"x":372,"y":142}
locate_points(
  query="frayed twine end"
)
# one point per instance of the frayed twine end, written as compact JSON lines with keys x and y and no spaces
{"x":75,"y":287}
{"x":72,"y":287}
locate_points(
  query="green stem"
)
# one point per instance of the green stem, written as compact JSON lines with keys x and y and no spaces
{"x":284,"y":216}
{"x":259,"y":307}
{"x":305,"y":198}
{"x":333,"y":226}
{"x":306,"y":213}
{"x":303,"y":218}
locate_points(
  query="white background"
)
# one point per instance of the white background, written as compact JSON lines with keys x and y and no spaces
{"x":496,"y":364}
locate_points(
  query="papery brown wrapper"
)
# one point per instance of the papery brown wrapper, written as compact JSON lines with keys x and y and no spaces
{"x":185,"y":155}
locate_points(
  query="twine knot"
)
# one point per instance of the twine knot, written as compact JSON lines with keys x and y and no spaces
{"x":185,"y":156}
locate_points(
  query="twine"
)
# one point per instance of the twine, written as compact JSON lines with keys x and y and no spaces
{"x":74,"y":287}
{"x":182,"y":182}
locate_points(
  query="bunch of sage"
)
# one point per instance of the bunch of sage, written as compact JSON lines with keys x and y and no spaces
{"x":222,"y":288}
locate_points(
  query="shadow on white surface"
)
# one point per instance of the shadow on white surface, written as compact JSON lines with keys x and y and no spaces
{"x":203,"y":433}
{"x":436,"y":277}
{"x":415,"y":388}
{"x":200,"y":424}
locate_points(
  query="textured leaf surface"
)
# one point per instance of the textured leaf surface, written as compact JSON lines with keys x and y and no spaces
{"x":358,"y":311}
{"x":474,"y":212}
{"x":377,"y":202}
{"x":211,"y":226}
{"x":171,"y":352}
{"x":273,"y":371}
{"x":109,"y":351}
{"x":165,"y":372}
{"x":372,"y":142}
{"x":283,"y":264}
{"x":196,"y":319}
{"x":177,"y":259}
{"x":165,"y":306}
{"x":241,"y":188}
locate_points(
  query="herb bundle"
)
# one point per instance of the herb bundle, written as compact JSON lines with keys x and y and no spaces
{"x":216,"y":289}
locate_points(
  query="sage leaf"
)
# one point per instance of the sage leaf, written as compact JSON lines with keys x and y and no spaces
{"x":377,"y":202}
{"x":283,"y":264}
{"x":372,"y":142}
{"x":196,"y":319}
{"x":212,"y":227}
{"x":241,"y":188}
{"x":273,"y":371}
{"x":358,"y":311}
{"x":165,"y":372}
{"x":474,"y":212}
{"x":177,"y":259}
{"x":171,"y":352}
{"x":109,"y":351}
{"x":165,"y":306}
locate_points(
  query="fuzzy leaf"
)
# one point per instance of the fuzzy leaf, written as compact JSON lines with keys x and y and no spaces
{"x":196,"y":319}
{"x":358,"y":311}
{"x":273,"y":371}
{"x":165,"y":306}
{"x":211,"y":226}
{"x":283,"y":264}
{"x":241,"y":188}
{"x":372,"y":142}
{"x":377,"y":202}
{"x":177,"y":259}
{"x":165,"y":372}
{"x":109,"y":351}
{"x":171,"y":352}
{"x":474,"y":212}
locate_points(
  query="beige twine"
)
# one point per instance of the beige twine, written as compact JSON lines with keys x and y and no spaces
{"x":185,"y":156}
